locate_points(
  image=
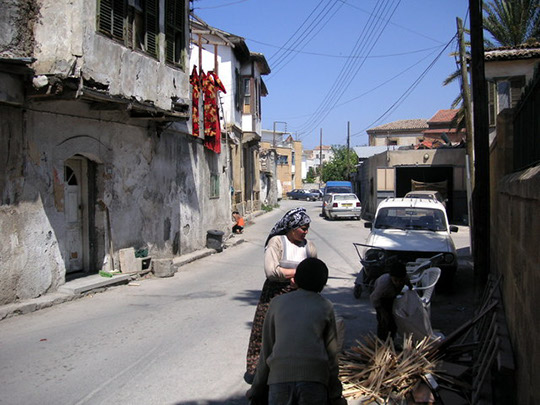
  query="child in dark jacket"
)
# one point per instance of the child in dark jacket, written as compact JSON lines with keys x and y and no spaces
{"x":298,"y":358}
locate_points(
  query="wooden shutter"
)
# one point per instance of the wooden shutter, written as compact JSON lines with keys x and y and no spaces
{"x":111,"y":15}
{"x":516,"y":87}
{"x":174,"y":30}
{"x":152,"y":26}
{"x":492,"y":108}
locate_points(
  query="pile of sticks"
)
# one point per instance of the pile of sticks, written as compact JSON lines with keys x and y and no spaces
{"x":375,"y":370}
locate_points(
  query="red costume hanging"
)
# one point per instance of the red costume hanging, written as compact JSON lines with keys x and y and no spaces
{"x":212,"y":127}
{"x":195,"y":82}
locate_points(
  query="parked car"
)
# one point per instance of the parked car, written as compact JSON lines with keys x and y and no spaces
{"x":318,"y":192}
{"x":427,"y":194}
{"x":341,"y":206}
{"x":300,"y":194}
{"x":412,"y":228}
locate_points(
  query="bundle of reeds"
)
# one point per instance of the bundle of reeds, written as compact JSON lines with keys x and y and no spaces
{"x":375,"y":370}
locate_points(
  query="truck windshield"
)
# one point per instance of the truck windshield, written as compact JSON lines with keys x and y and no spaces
{"x":337,"y":190}
{"x":411,"y":218}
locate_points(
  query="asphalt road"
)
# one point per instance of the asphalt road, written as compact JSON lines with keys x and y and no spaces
{"x":179,"y":340}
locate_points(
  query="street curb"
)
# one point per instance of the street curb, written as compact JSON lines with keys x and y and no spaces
{"x":97,"y":284}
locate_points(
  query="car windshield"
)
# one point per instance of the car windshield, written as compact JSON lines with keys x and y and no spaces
{"x":411,"y":218}
{"x":344,"y":197}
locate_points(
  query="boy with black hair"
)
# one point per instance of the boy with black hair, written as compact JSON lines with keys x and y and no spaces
{"x":386,"y":289}
{"x":239,"y":222}
{"x":298,"y":358}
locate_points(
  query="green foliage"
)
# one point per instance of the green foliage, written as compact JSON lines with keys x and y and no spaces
{"x":310,"y":176}
{"x":512,"y":22}
{"x":342,"y":165}
{"x":267,"y":208}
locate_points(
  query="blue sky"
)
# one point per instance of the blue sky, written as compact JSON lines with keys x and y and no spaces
{"x":367,"y":62}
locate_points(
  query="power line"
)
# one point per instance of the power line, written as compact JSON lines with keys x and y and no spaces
{"x":283,"y":55}
{"x":367,"y":39}
{"x":374,"y":88}
{"x":390,"y":55}
{"x":407,"y":92}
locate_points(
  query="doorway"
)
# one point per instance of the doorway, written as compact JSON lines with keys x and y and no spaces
{"x":77,"y":214}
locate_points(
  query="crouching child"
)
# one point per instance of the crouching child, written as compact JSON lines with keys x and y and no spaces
{"x":298,"y":362}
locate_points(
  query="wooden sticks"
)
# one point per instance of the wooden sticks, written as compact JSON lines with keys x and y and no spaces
{"x":376,"y":370}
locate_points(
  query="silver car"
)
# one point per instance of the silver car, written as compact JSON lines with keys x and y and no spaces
{"x":341,"y":206}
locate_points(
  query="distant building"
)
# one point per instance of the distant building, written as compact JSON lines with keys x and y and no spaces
{"x":289,"y":158}
{"x":398,"y":133}
{"x":441,"y":125}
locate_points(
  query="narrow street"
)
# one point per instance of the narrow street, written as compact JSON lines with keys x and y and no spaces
{"x":179,"y":340}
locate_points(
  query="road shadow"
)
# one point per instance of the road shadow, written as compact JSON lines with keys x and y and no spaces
{"x":236,"y":400}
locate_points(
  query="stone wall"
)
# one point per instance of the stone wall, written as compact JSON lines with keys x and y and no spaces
{"x":155,"y":185}
{"x":514,"y":236}
{"x":515,"y":232}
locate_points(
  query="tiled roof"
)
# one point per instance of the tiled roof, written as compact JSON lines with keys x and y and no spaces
{"x":443,"y":116}
{"x":419,"y":123}
{"x":364,"y":152}
{"x":525,"y":51}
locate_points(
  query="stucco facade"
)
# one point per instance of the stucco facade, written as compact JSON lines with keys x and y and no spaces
{"x":97,"y":154}
{"x":241,"y":72}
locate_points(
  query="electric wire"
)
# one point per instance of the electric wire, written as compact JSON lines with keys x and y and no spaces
{"x":284,"y":56}
{"x":345,"y":75}
{"x":367,"y":39}
{"x":373,"y":88}
{"x":408,"y":91}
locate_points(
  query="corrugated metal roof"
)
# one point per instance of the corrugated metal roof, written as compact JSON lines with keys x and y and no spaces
{"x":525,"y":51}
{"x":419,"y":123}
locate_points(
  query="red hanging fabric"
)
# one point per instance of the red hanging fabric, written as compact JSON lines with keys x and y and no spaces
{"x":212,"y":127}
{"x":195,"y":82}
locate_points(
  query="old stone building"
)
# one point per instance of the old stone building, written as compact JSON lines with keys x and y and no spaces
{"x":96,"y":148}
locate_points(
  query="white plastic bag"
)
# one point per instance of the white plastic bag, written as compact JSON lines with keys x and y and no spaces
{"x":411,"y":317}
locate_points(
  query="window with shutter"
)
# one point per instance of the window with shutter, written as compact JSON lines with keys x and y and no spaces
{"x":174,"y":30}
{"x":111,"y":18}
{"x":247,"y":95}
{"x":152,"y":26}
{"x":516,"y":88}
{"x":492,"y":100}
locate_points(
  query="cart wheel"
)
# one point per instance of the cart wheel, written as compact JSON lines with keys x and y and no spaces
{"x":357,"y":291}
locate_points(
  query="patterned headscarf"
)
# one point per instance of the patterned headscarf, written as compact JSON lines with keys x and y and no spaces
{"x":292,"y":219}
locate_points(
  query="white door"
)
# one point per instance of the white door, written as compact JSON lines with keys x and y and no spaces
{"x":73,"y":207}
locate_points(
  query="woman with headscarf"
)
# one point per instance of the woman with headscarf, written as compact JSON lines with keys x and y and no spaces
{"x":285,"y":248}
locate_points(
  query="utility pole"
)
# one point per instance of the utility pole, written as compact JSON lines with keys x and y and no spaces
{"x":320,"y":159}
{"x":481,"y":194}
{"x":466,"y":93}
{"x":348,"y":149}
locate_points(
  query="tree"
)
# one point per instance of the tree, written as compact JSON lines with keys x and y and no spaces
{"x":342,"y":165}
{"x":311,"y":174}
{"x":512,"y":22}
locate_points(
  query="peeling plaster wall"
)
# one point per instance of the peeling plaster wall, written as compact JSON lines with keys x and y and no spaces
{"x":17,"y":20}
{"x":155,"y":184}
{"x":29,"y":251}
{"x":70,"y":46}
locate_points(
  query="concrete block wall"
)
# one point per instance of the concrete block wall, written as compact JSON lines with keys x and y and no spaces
{"x":515,"y":232}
